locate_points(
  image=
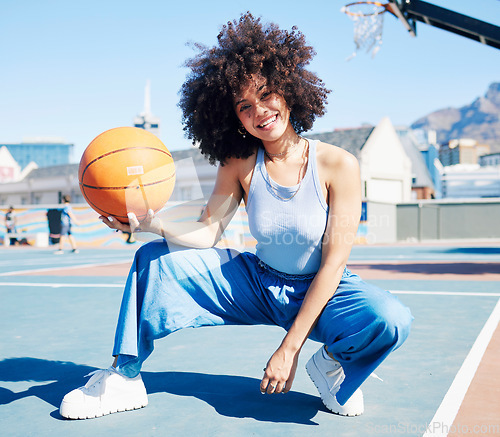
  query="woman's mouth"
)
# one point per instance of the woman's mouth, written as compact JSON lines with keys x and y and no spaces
{"x":267,"y":122}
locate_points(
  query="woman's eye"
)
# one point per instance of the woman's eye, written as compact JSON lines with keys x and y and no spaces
{"x":266,"y":95}
{"x":244,"y":107}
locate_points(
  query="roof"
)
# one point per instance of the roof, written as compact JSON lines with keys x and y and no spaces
{"x":420,"y":172}
{"x":53,"y":170}
{"x":351,"y":140}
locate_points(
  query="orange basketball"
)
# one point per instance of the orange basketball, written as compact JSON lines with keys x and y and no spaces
{"x":126,"y":169}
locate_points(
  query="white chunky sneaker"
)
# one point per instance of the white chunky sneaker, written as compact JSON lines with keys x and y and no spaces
{"x":106,"y":392}
{"x":327,"y":375}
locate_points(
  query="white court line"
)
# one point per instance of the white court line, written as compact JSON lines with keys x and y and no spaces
{"x":446,"y":293}
{"x":61,"y":285}
{"x":405,"y":261}
{"x":441,"y":423}
{"x":71,"y":267}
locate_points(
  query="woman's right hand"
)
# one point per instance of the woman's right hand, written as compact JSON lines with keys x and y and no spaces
{"x":151,"y":223}
{"x":113,"y":223}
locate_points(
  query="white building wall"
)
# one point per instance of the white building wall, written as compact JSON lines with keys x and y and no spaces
{"x":385,"y":166}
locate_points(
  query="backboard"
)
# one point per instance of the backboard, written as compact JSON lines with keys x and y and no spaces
{"x":397,"y":7}
{"x":411,"y":11}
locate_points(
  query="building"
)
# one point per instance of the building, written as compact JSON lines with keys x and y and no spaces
{"x":471,"y":181}
{"x":462,"y":151}
{"x":430,"y":155}
{"x":43,"y":152}
{"x":146,"y":120}
{"x":10,"y":170}
{"x":195,"y":176}
{"x":422,"y":186}
{"x":421,"y":148}
{"x":490,"y":159}
{"x":386,"y":169}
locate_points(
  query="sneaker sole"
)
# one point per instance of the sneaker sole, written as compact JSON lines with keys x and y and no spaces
{"x":66,"y":411}
{"x":316,"y":377}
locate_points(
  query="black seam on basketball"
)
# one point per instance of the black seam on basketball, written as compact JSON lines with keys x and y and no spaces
{"x":100,"y":210}
{"x":128,"y":187}
{"x":166,"y":152}
{"x":108,"y":213}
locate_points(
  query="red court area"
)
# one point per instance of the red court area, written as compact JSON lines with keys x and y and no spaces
{"x":440,"y":270}
{"x":479,"y":413}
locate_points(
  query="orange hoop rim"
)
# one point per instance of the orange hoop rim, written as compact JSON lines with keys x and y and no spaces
{"x":385,"y":8}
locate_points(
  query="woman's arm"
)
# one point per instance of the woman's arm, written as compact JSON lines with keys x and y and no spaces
{"x":344,"y":198}
{"x":205,"y":232}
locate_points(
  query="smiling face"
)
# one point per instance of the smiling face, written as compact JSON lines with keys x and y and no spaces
{"x":263,"y":113}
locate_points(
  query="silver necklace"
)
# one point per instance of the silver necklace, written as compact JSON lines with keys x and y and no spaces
{"x":275,"y":189}
{"x":277,"y":155}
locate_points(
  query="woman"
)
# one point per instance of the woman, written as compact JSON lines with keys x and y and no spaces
{"x":246,"y":102}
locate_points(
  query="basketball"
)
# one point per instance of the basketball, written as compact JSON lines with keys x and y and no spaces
{"x":126,"y":169}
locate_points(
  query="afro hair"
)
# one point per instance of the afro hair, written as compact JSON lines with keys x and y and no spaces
{"x":247,"y":47}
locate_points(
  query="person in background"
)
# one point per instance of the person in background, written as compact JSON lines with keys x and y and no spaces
{"x":67,"y":220}
{"x":10,"y":224}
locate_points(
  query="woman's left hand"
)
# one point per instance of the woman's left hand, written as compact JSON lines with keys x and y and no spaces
{"x":279,"y":372}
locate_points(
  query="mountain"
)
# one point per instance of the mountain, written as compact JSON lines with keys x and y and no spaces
{"x":480,"y":120}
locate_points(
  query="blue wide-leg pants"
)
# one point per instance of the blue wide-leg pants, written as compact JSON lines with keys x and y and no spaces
{"x":170,"y":288}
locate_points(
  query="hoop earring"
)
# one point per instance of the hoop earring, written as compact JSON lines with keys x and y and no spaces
{"x":242,"y":131}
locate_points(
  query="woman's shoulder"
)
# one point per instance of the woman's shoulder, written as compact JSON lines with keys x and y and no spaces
{"x":240,"y":165}
{"x":332,"y":157}
{"x":238,"y":171}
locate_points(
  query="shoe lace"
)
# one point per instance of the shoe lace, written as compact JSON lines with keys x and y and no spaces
{"x":97,"y":377}
{"x":338,"y":374}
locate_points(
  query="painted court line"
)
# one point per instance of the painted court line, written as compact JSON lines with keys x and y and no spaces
{"x":118,"y":285}
{"x":61,"y":285}
{"x":409,"y":260}
{"x":441,"y":423}
{"x":59,"y":268}
{"x":445,"y":293}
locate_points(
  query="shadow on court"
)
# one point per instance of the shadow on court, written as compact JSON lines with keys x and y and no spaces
{"x":485,"y":250}
{"x":231,"y":396}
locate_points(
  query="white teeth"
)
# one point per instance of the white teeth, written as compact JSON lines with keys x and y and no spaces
{"x":268,"y":121}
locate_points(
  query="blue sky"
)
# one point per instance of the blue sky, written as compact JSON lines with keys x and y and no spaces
{"x":73,"y":69}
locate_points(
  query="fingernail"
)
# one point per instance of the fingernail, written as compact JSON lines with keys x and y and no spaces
{"x":110,"y":219}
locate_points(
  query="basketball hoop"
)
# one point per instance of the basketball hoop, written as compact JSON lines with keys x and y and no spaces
{"x":368,"y":19}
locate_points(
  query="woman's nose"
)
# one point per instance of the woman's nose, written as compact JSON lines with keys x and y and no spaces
{"x":261,"y":108}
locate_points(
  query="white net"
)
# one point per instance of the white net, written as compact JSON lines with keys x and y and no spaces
{"x":368,"y":19}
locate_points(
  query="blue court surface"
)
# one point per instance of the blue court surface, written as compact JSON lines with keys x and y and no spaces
{"x":58,"y":315}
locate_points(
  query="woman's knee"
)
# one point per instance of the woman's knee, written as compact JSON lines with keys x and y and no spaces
{"x":372,"y":320}
{"x":150,"y":251}
{"x":390,"y":320}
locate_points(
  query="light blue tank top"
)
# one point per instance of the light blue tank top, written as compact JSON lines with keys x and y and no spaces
{"x":287,"y":224}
